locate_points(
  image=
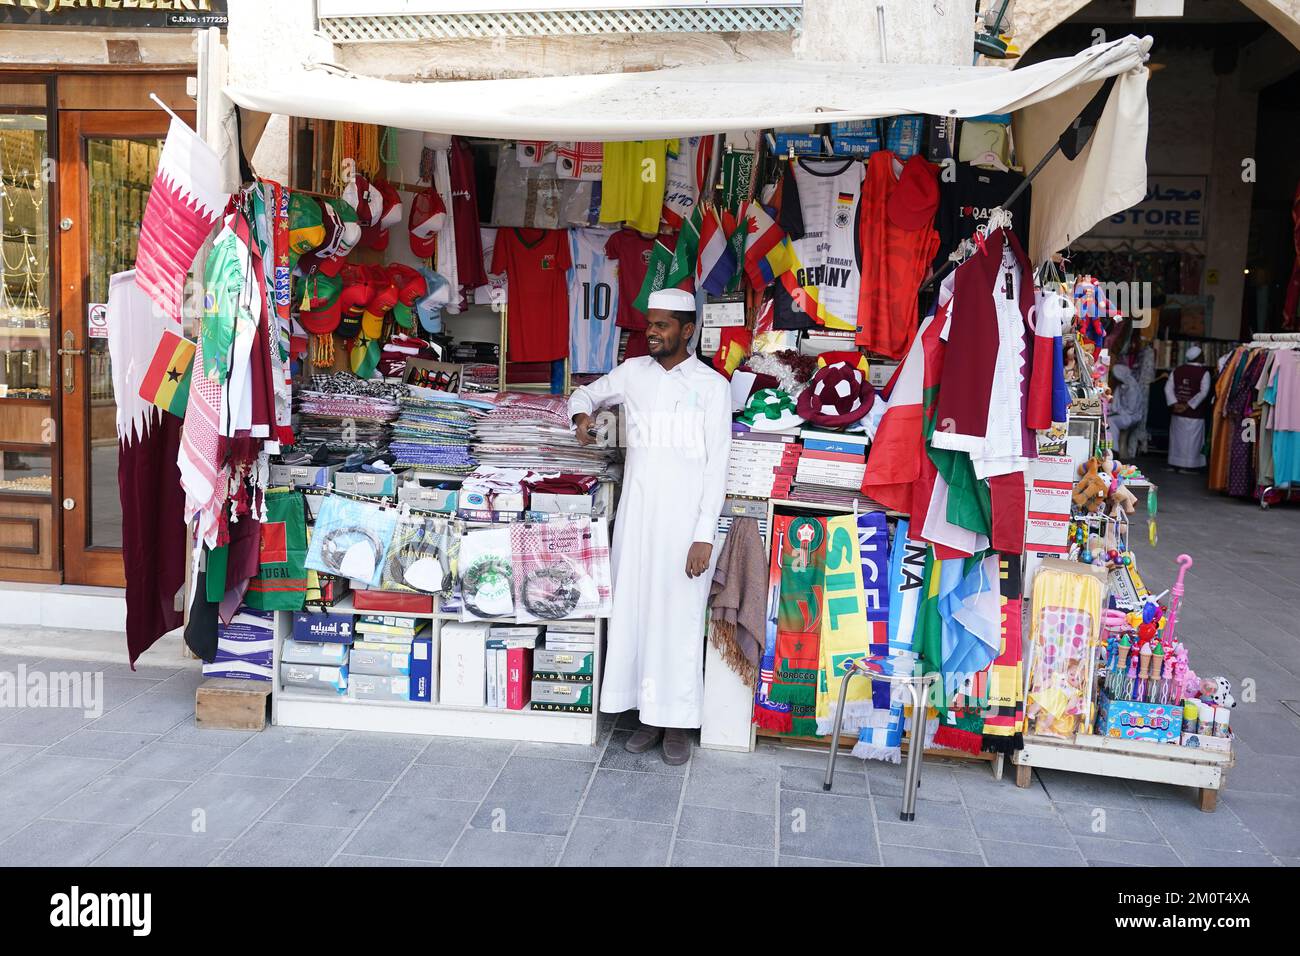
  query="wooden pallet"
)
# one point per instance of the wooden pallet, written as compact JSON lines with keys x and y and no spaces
{"x":1128,"y":759}
{"x":996,"y":762}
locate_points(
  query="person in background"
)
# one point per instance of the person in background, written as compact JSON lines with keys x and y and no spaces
{"x":677,"y":413}
{"x":1186,"y":391}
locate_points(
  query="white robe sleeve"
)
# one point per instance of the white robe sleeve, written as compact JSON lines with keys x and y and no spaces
{"x":1170,"y":397}
{"x":605,"y":391}
{"x":1204,"y":390}
{"x":717,"y":449}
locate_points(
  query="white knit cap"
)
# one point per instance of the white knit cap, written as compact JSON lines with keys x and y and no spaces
{"x":673,"y":300}
{"x":1193,"y":353}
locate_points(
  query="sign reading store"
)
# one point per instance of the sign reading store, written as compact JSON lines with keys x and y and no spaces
{"x":137,"y":14}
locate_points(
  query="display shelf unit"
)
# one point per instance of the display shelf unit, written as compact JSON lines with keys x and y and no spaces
{"x":1128,"y":759}
{"x":290,"y":708}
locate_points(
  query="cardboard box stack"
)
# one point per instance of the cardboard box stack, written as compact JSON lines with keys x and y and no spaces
{"x":564,"y":668}
{"x":245,"y":647}
{"x":315,"y":660}
{"x":510,"y":653}
{"x":392,"y":659}
{"x":831,"y":467}
{"x":762,"y":464}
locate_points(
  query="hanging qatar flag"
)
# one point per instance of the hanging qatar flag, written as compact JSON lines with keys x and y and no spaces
{"x":149,"y":482}
{"x":184,"y":204}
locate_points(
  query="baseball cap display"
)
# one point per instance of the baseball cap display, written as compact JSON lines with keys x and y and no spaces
{"x":428,"y":216}
{"x":306,"y":226}
{"x":366,"y":201}
{"x":357,"y":293}
{"x":838,"y":394}
{"x":332,"y":227}
{"x":375,"y":234}
{"x":348,"y":239}
{"x":437,"y":295}
{"x":411,"y":287}
{"x":770,"y":410}
{"x":319,"y":312}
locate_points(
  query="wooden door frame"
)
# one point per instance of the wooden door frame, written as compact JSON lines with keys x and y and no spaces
{"x":83,"y":564}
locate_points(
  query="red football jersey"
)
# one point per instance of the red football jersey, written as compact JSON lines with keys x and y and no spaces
{"x":632,"y":252}
{"x":536,"y":264}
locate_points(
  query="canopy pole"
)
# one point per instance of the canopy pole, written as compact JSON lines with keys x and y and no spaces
{"x":1071,"y":143}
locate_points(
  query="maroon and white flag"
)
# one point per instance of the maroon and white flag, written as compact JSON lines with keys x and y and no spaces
{"x":185,"y":202}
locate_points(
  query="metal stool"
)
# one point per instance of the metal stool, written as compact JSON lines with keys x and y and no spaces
{"x":918,"y":686}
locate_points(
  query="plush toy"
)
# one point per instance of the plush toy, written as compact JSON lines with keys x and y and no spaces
{"x":1090,"y":490}
{"x":1121,"y":499}
{"x":1222,"y":692}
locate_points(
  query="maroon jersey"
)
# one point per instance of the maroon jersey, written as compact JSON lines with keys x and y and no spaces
{"x":1187,"y":382}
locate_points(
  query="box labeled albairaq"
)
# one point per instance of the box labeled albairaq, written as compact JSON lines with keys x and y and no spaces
{"x":552,"y":664}
{"x":382,"y":484}
{"x":303,"y":476}
{"x":334,"y":628}
{"x":561,"y":695}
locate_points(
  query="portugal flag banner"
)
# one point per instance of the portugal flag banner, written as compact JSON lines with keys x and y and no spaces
{"x":167,"y":381}
{"x":184,"y":204}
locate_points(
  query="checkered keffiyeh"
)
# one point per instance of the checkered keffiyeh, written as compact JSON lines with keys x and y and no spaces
{"x":558,"y":569}
{"x":579,"y":160}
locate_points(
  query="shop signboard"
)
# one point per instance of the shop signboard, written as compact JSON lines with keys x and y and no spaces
{"x":1174,"y":208}
{"x":98,"y":14}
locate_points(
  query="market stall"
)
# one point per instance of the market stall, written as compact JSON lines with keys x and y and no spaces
{"x":370,"y":457}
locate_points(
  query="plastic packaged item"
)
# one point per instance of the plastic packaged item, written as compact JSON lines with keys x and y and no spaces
{"x":1191,"y":716}
{"x":1065,"y":630}
{"x":1222,"y":716}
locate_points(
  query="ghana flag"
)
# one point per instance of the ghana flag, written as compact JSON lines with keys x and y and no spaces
{"x":167,"y":383}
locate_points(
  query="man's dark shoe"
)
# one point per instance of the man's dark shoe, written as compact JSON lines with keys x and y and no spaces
{"x":643,"y":738}
{"x":677,"y":746}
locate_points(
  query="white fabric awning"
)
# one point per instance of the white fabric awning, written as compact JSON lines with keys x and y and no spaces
{"x":768,"y":94}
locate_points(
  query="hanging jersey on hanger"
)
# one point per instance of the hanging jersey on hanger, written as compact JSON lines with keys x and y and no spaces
{"x":819,"y":213}
{"x":593,"y":302}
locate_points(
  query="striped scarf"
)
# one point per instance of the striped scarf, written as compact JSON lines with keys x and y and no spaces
{"x":846,"y":632}
{"x":1004,"y":714}
{"x":768,"y":714}
{"x":901,"y":602}
{"x":798,"y":621}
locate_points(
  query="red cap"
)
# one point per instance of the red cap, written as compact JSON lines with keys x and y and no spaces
{"x":375,"y":236}
{"x":428,"y":216}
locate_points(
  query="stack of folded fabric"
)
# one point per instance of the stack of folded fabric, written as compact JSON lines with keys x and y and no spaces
{"x":347,"y":414}
{"x":534,"y":432}
{"x":761,"y":464}
{"x":479,"y":377}
{"x":467,"y":352}
{"x":831,"y":468}
{"x":433,"y":433}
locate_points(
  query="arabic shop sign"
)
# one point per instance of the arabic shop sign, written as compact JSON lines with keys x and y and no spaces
{"x":1174,"y":208}
{"x":180,"y":14}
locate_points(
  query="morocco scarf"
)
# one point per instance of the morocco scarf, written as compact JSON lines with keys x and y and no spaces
{"x":798,"y":621}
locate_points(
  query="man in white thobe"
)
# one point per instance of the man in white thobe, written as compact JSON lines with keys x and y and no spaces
{"x":677,"y":416}
{"x":1185,"y":392}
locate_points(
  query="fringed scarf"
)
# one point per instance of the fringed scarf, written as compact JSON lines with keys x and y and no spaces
{"x":1004,"y":714}
{"x":768,"y":714}
{"x":898,"y":603}
{"x":846,"y":634}
{"x":798,"y":622}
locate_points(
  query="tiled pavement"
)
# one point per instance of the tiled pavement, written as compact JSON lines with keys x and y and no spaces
{"x":142,"y":785}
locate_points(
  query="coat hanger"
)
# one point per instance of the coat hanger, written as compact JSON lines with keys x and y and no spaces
{"x":989,"y":159}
